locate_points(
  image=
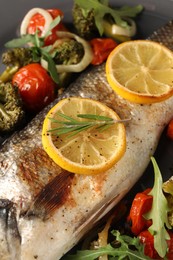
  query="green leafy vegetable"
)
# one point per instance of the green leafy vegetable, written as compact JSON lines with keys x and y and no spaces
{"x":101,"y":8}
{"x":124,"y":250}
{"x":159,"y":214}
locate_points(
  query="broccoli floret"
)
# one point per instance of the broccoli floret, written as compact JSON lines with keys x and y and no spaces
{"x":84,"y":24}
{"x":89,"y":17}
{"x":11,"y":109}
{"x":15,"y":59}
{"x":68,"y":51}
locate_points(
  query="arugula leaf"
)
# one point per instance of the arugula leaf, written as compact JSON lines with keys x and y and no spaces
{"x":101,"y":9}
{"x":158,"y":213}
{"x":122,"y":252}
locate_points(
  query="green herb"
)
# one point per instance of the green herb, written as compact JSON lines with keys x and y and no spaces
{"x":38,"y":50}
{"x":54,"y":23}
{"x":73,"y":126}
{"x":159,"y":214}
{"x":124,"y":250}
{"x":101,"y":8}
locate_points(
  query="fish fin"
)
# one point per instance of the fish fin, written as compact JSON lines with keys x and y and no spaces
{"x":9,"y":233}
{"x":52,"y":196}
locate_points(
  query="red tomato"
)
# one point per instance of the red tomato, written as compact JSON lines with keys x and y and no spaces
{"x":37,"y":22}
{"x":148,"y":240}
{"x":170,"y":246}
{"x":170,"y":130}
{"x":101,"y":49}
{"x":141,"y":204}
{"x":36,"y":87}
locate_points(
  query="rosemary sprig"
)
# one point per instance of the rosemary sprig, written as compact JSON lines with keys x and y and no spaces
{"x":72,"y":126}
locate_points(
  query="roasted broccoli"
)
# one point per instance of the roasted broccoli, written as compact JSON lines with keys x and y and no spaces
{"x":68,"y":51}
{"x":84,"y":24}
{"x":11,"y":109}
{"x":14,"y":59}
{"x":92,"y":17}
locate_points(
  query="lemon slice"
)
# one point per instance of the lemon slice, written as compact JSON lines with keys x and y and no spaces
{"x":90,"y":151}
{"x":141,"y":71}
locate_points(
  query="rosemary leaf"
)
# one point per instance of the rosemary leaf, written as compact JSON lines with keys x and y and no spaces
{"x":104,"y":127}
{"x":62,"y":130}
{"x":96,"y":117}
{"x":79,"y":129}
{"x":66,"y":117}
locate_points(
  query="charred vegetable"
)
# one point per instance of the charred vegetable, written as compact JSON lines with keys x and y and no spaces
{"x":94,"y":16}
{"x":84,"y":24}
{"x":11,"y":109}
{"x":14,"y":59}
{"x":70,"y":54}
{"x":36,"y":87}
{"x":68,"y":51}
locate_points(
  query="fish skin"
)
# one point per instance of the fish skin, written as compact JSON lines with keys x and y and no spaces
{"x":164,"y":35}
{"x":44,"y":210}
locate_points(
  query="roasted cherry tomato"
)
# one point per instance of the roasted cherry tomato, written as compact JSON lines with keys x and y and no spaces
{"x":141,"y":204}
{"x":148,"y":240}
{"x":170,"y":130}
{"x":170,"y":246}
{"x":36,"y":87}
{"x":101,"y":49}
{"x":37,"y":22}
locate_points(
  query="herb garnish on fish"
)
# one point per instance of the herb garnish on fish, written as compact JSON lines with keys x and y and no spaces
{"x":73,"y":126}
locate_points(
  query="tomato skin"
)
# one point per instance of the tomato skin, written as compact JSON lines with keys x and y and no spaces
{"x":170,"y":130}
{"x":101,"y":49}
{"x":36,"y":87}
{"x":147,"y":239}
{"x":170,"y":246}
{"x":141,"y":204}
{"x":37,"y":22}
{"x":55,"y":12}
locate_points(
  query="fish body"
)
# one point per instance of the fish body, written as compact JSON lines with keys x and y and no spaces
{"x":45,"y":210}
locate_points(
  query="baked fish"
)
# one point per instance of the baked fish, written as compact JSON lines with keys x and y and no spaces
{"x":45,"y":210}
